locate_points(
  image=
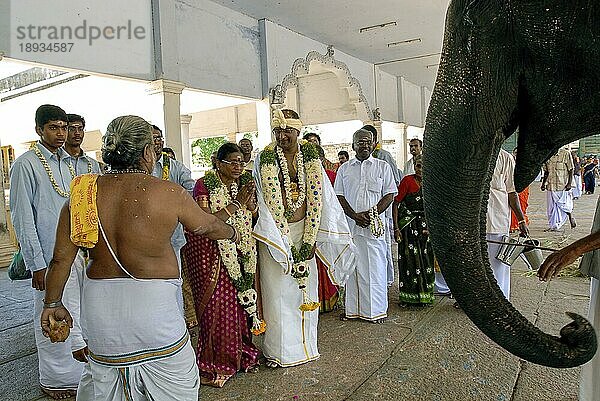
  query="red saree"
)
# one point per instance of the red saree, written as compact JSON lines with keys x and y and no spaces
{"x":524,"y":202}
{"x":225,"y":342}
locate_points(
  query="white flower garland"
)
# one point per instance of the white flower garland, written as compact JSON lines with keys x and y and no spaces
{"x":376,"y":225}
{"x":242,"y":221}
{"x":287,"y":181}
{"x":310,"y":184}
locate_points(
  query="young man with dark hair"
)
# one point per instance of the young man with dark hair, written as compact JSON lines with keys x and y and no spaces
{"x":343,"y":156}
{"x":415,"y":145}
{"x":246,"y":145}
{"x":82,"y":164}
{"x":39,"y":186}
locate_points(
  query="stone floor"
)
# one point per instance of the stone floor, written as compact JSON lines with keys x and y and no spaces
{"x":432,"y":353}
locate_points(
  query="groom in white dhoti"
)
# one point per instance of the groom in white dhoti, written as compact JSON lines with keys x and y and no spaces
{"x":365,"y":187}
{"x":299,"y":216}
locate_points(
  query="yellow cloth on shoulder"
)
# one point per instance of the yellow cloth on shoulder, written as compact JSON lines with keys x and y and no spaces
{"x":84,"y":211}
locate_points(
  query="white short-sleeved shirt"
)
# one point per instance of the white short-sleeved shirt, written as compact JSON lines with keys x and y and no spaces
{"x":363,"y":184}
{"x":502,"y":183}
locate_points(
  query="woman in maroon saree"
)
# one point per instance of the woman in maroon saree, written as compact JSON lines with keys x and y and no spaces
{"x":221,"y":276}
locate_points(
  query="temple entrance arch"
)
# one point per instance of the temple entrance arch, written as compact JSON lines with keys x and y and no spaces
{"x":322,"y":90}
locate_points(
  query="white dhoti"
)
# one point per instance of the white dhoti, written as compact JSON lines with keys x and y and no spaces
{"x":138,"y":341}
{"x":576,"y":186}
{"x":291,"y":335}
{"x":560,"y":203}
{"x":500,"y":269}
{"x":174,"y":378}
{"x":58,"y":370}
{"x":440,"y":286}
{"x":589,"y":389}
{"x":366,"y":289}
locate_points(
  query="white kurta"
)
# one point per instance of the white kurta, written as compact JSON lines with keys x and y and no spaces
{"x":498,"y":216}
{"x":363,"y":184}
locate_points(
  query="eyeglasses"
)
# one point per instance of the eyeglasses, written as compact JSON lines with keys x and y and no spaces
{"x":76,"y":128}
{"x":235,"y":163}
{"x":364,"y":143}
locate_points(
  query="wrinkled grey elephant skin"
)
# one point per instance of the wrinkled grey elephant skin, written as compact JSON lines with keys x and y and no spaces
{"x":531,"y":65}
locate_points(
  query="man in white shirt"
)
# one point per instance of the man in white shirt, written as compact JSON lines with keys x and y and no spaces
{"x":414,"y":145}
{"x":365,"y":187}
{"x":382,"y":154}
{"x":503,"y":198}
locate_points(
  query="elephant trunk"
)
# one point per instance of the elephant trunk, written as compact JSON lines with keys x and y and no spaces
{"x":455,"y":191}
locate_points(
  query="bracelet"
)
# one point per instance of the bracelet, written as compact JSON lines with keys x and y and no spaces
{"x":521,"y":222}
{"x":234,"y":235}
{"x":55,"y":304}
{"x":254,"y":210}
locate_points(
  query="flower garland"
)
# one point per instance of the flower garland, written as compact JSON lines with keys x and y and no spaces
{"x":46,"y":166}
{"x":272,"y":161}
{"x":292,"y":204}
{"x":239,"y":260}
{"x":376,"y":225}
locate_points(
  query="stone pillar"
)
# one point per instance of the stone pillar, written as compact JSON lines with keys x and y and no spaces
{"x":170,"y":92}
{"x":186,"y":156}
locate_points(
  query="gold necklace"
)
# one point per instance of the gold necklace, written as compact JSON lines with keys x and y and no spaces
{"x":46,"y":166}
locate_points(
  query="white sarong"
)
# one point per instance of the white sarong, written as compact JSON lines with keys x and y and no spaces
{"x":58,"y":370}
{"x":589,"y":389}
{"x":500,"y":269}
{"x":291,"y":335}
{"x":576,"y":186}
{"x":559,"y":204}
{"x":175,"y":378}
{"x":366,"y":289}
{"x":138,"y":341}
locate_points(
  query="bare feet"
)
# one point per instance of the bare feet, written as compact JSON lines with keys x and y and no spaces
{"x":344,"y":318}
{"x":272,"y":364}
{"x":379,"y":321}
{"x":59,"y":394}
{"x":572,"y":220}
